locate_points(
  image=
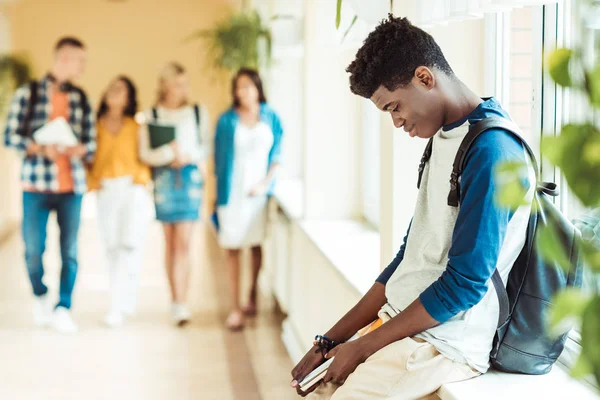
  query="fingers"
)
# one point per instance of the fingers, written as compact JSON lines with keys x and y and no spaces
{"x":334,"y":377}
{"x":331,"y":353}
{"x":298,"y":374}
{"x":307,"y":391}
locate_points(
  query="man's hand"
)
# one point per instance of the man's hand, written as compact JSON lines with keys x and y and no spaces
{"x":309,"y":362}
{"x":50,"y":152}
{"x":33,"y":148}
{"x":348,"y":356}
{"x":78,"y":151}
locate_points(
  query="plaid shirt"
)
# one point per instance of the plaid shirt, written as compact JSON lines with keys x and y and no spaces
{"x":39,"y":173}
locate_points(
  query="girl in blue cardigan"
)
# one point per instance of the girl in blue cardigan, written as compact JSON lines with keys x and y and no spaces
{"x":247,"y":150}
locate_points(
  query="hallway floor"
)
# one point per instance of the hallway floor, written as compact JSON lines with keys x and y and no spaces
{"x":148,"y":358}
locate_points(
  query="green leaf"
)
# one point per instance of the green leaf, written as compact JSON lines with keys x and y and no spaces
{"x":567,"y":309}
{"x":234,"y":42}
{"x":590,"y":331}
{"x":512,"y":195}
{"x":591,"y":151}
{"x":350,"y":27}
{"x":510,"y":190}
{"x":511,"y":167}
{"x":582,"y":368}
{"x":592,"y":256}
{"x":574,"y":151}
{"x":593,"y":86}
{"x":551,"y":248}
{"x":558,"y":64}
{"x":590,"y":335}
{"x":338,"y":14}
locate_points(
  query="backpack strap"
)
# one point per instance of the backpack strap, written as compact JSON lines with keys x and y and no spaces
{"x":503,"y":302}
{"x":83,"y":101}
{"x":426,"y":156}
{"x":33,"y":99}
{"x":474,"y":131}
{"x":155,"y":114}
{"x":197,"y":115}
{"x":454,"y":197}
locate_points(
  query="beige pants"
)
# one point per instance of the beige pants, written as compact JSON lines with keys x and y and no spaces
{"x":409,"y":369}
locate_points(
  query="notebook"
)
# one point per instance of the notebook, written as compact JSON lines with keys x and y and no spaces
{"x":386,"y":313}
{"x":160,"y":134}
{"x":56,"y":132}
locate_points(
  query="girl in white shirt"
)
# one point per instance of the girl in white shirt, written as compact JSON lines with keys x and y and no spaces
{"x":178,"y":176}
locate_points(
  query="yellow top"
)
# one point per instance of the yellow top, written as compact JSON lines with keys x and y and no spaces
{"x":117,"y":155}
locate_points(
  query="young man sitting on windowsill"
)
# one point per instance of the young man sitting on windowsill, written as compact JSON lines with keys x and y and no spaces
{"x":440,"y":279}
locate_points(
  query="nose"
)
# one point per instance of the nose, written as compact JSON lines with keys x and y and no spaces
{"x":398,"y":122}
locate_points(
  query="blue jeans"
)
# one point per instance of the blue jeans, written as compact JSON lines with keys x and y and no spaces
{"x":36,"y":209}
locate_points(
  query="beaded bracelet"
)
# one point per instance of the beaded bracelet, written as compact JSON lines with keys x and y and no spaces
{"x":324,"y":343}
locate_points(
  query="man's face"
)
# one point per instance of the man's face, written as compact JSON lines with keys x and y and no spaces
{"x":415,"y":107}
{"x":72,"y":61}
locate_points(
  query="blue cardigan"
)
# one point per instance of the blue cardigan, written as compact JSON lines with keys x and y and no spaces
{"x":225,"y":145}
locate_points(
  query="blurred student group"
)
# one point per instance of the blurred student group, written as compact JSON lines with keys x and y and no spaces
{"x":134,"y":161}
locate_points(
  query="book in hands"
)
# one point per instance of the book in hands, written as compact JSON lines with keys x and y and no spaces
{"x":386,"y":313}
{"x":56,"y":132}
{"x":315,"y":376}
{"x":160,"y":135}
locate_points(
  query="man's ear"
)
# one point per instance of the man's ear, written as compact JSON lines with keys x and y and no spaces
{"x":424,"y":77}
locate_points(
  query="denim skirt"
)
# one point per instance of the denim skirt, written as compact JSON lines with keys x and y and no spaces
{"x":177,"y":193}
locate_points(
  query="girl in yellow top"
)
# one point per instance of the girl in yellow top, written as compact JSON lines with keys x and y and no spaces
{"x":123,"y":201}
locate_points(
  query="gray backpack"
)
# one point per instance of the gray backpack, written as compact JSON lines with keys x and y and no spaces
{"x":522,"y":343}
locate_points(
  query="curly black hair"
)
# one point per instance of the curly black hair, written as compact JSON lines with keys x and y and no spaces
{"x":390,"y":55}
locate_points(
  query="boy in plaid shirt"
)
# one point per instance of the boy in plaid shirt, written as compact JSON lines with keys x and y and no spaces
{"x":53,"y":178}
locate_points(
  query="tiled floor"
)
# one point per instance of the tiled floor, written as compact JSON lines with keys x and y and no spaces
{"x":148,"y":358}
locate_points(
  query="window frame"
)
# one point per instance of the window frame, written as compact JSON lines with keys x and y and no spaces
{"x":370,"y":168}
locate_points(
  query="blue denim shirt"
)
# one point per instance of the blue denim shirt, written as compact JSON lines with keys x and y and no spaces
{"x":225,"y":146}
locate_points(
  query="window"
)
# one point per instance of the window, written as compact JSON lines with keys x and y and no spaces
{"x":514,"y":67}
{"x":559,"y":107}
{"x":524,"y":48}
{"x":370,"y":162}
{"x":537,"y":104}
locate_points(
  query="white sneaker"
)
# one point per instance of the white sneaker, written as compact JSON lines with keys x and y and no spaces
{"x":129,"y":314}
{"x":63,"y":322}
{"x":180,"y":314}
{"x":114,"y":319}
{"x":42,"y":311}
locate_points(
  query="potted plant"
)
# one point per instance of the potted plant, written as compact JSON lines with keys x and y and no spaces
{"x":242,"y":40}
{"x":14,"y":72}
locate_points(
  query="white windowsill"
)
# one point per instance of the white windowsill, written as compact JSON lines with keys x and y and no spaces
{"x":289,"y":194}
{"x":352,"y":247}
{"x":556,"y":385}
